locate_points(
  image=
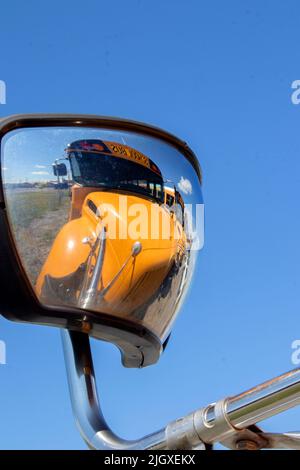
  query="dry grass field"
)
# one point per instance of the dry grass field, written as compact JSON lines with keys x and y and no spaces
{"x":36,"y":216}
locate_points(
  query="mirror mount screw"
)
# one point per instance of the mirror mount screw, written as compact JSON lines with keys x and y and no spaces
{"x":246,"y":444}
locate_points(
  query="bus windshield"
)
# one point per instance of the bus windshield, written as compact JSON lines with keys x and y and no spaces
{"x":111,"y":172}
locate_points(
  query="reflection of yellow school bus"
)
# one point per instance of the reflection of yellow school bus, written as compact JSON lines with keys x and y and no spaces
{"x":88,"y":266}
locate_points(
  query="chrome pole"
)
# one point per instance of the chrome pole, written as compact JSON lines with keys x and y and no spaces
{"x":266,"y":400}
{"x":227,"y":420}
{"x":261,"y":402}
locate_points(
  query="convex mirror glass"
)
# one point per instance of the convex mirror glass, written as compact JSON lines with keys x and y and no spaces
{"x":106,"y":221}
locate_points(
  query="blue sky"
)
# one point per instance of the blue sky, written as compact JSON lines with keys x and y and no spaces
{"x":219,"y":75}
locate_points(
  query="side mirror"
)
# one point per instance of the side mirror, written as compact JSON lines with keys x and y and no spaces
{"x":111,"y":262}
{"x":59,"y":169}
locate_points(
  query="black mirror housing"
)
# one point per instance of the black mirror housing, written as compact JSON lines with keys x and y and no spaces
{"x":139,"y":343}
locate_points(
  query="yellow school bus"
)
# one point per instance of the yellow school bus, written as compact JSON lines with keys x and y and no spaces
{"x":90,"y":265}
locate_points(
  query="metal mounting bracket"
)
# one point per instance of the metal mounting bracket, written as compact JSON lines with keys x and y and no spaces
{"x":231,"y":421}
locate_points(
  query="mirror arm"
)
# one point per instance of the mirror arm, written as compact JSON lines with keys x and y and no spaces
{"x":86,"y":407}
{"x":231,"y":421}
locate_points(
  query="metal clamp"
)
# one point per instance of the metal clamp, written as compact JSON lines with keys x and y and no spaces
{"x":182,"y":435}
{"x":212,"y":423}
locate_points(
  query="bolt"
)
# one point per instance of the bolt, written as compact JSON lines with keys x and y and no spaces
{"x":245,"y":444}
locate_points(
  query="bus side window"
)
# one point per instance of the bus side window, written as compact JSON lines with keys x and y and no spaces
{"x":151,"y":187}
{"x":158,"y":191}
{"x":143,"y":184}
